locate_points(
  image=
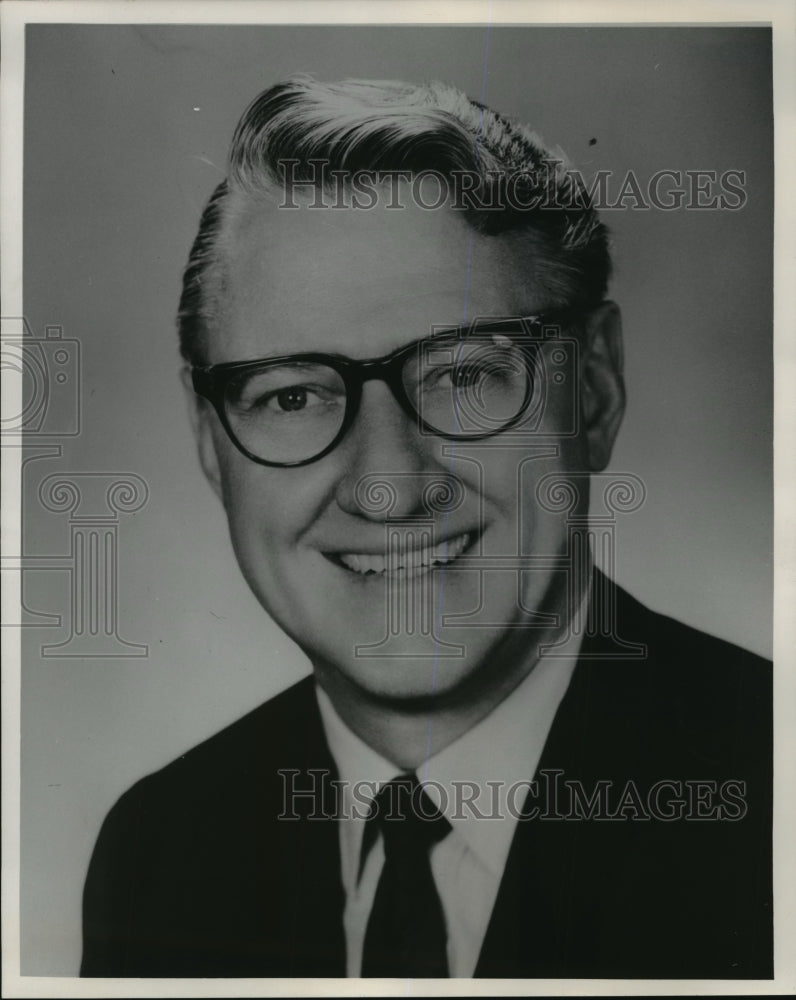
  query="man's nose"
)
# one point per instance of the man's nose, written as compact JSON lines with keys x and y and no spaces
{"x":385,"y":460}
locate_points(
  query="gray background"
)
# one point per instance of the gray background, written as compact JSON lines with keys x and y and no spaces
{"x":126,"y":132}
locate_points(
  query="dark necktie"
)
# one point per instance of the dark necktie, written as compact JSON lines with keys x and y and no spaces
{"x":406,"y":933}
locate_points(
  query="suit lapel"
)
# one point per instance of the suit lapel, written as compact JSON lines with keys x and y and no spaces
{"x":309,"y":932}
{"x":533,"y":931}
{"x":526,"y":935}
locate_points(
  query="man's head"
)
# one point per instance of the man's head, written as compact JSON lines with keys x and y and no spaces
{"x":283,"y":267}
{"x":303,"y":130}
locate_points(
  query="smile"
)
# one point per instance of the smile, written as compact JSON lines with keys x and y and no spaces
{"x":409,"y":562}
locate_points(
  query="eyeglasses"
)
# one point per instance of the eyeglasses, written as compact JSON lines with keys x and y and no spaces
{"x":461,"y":384}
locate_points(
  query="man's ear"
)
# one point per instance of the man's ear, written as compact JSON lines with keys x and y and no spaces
{"x":202,"y":416}
{"x":602,"y":385}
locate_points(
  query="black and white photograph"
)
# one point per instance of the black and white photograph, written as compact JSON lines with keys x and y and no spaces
{"x":389,"y":559}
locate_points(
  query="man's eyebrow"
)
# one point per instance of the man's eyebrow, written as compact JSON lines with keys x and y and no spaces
{"x":483,"y":325}
{"x":296,"y":360}
{"x":438,"y":331}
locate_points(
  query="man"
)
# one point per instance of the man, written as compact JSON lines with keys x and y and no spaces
{"x":403,"y":374}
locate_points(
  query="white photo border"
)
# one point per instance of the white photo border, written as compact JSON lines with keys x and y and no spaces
{"x":781,"y":15}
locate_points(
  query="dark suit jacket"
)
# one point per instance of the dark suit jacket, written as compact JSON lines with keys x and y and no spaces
{"x":193,"y":874}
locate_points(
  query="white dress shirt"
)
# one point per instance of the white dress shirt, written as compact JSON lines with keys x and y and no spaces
{"x":467,"y":865}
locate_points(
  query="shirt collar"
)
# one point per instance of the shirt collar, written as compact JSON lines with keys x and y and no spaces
{"x":362,"y":772}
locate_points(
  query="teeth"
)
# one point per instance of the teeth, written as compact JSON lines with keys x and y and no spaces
{"x":409,"y":561}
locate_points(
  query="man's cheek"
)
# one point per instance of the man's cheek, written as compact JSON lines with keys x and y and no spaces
{"x":235,"y":485}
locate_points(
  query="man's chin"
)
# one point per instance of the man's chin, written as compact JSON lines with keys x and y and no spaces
{"x":402,"y":673}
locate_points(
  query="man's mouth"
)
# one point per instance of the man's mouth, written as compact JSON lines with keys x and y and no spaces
{"x":405,"y":562}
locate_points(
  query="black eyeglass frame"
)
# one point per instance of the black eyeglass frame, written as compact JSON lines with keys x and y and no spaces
{"x":210,"y":381}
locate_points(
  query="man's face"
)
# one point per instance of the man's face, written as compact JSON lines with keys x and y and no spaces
{"x":362,"y":284}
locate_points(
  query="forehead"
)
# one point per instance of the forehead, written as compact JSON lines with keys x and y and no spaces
{"x":359,"y":282}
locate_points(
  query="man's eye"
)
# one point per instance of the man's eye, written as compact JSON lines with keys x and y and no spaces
{"x":294,"y":399}
{"x":461,"y":377}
